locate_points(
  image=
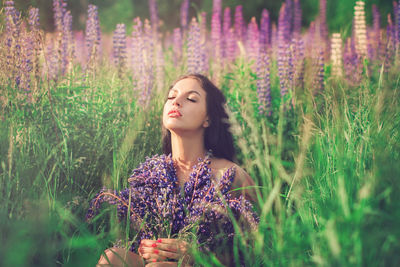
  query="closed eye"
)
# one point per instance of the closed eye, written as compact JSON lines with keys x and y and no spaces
{"x":192,"y":100}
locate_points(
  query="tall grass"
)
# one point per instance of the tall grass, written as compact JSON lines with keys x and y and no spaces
{"x":325,"y":163}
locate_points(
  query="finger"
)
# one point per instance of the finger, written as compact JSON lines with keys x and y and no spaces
{"x":151,"y":257}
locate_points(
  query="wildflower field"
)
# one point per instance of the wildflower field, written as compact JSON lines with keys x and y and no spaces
{"x":315,"y":117}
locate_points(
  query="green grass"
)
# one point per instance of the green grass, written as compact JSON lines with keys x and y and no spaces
{"x":328,"y":168}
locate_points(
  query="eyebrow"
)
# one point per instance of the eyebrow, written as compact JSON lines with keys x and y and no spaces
{"x":190,"y":92}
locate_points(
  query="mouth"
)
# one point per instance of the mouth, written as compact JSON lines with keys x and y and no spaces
{"x":174,"y":114}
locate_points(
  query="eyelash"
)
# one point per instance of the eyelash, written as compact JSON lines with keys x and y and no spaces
{"x":191,"y":100}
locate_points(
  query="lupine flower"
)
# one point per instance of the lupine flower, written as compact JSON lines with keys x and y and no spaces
{"x":160,"y":67}
{"x":264,"y":30}
{"x":336,"y":55}
{"x":184,"y":13}
{"x":153,"y":14}
{"x":230,"y":45}
{"x":283,"y":49}
{"x":119,"y":47}
{"x":203,"y":60}
{"x":239,"y":24}
{"x":318,"y":83}
{"x":226,"y":25}
{"x":263,"y":83}
{"x":217,"y":7}
{"x":92,"y":33}
{"x":398,"y":25}
{"x":376,"y":36}
{"x":177,"y":46}
{"x":360,"y":28}
{"x":300,"y":63}
{"x":322,"y":20}
{"x":216,"y":35}
{"x":296,"y":19}
{"x":59,"y":9}
{"x":33,"y":19}
{"x":193,"y":57}
{"x":156,"y":207}
{"x":67,"y":50}
{"x":253,"y":43}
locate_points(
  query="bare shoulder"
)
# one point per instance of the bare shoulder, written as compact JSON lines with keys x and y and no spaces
{"x":241,"y":180}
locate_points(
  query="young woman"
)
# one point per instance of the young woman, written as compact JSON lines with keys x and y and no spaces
{"x":195,"y":125}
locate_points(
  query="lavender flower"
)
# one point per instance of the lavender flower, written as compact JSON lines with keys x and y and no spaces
{"x":156,"y":207}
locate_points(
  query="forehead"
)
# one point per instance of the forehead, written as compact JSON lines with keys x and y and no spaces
{"x":188,"y":85}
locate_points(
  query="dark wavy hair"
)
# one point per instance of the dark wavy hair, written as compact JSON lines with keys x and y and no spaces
{"x":217,"y":136}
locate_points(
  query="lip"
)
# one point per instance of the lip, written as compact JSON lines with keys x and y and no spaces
{"x":174,"y":114}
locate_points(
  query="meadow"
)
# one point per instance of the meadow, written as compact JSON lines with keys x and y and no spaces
{"x":315,"y":116}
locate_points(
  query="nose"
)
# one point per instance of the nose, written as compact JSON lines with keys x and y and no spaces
{"x":176,"y":101}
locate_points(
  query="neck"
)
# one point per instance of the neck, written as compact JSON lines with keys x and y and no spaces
{"x":187,"y":149}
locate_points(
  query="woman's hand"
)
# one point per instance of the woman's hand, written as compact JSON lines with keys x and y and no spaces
{"x":163,"y":249}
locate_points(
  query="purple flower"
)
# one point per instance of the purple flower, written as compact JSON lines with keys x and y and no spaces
{"x":119,"y":47}
{"x":376,"y":33}
{"x":225,"y":30}
{"x":252,"y":43}
{"x":184,"y":13}
{"x":67,"y":48}
{"x":153,"y":14}
{"x":322,"y":20}
{"x":264,"y":30}
{"x":239,"y":23}
{"x":217,"y":7}
{"x":216,"y":36}
{"x":283,"y":50}
{"x":157,"y":207}
{"x":398,"y":21}
{"x":177,"y":46}
{"x":59,"y":9}
{"x":93,"y":34}
{"x":193,"y":57}
{"x":33,"y":19}
{"x":263,"y":83}
{"x":296,"y":19}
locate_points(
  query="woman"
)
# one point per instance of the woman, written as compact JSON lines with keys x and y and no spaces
{"x":194,"y":123}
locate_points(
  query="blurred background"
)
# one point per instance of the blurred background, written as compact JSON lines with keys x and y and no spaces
{"x":111,"y":12}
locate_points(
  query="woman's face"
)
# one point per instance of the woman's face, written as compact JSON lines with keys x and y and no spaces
{"x":186,"y":109}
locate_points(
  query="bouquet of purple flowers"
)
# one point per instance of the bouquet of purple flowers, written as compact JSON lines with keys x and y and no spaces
{"x":158,"y":207}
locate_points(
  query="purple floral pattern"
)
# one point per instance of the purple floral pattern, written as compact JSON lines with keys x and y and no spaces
{"x":158,"y":207}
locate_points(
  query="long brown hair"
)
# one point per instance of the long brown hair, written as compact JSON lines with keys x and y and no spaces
{"x":217,"y":136}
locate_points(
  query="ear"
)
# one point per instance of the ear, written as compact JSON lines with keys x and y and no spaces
{"x":206,"y":123}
